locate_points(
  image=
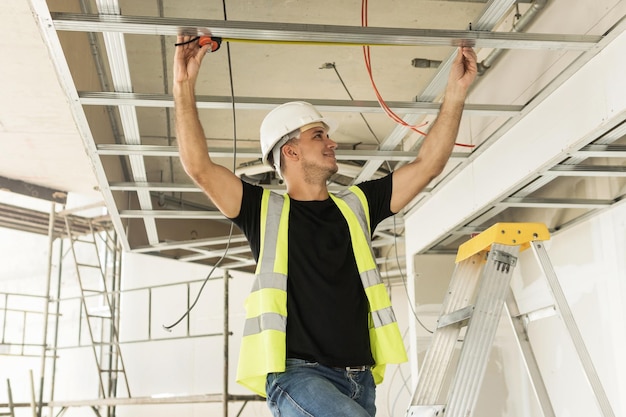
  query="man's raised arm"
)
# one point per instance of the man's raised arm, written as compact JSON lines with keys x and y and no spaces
{"x":220,"y":184}
{"x":435,"y":151}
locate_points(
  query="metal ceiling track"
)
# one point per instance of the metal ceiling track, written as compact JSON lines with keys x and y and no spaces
{"x":120,"y":73}
{"x":164,"y":187}
{"x":601,"y":151}
{"x":572,"y":203}
{"x":340,"y":154}
{"x":96,"y":98}
{"x":316,"y":34}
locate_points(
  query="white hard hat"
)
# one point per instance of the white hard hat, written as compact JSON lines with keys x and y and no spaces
{"x":287,"y":118}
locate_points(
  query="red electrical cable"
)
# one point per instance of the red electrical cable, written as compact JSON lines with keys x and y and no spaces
{"x":368,"y":65}
{"x":381,"y":101}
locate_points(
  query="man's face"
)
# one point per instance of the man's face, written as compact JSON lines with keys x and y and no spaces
{"x":317,"y":153}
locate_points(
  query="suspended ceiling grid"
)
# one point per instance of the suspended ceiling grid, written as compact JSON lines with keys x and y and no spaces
{"x":114,"y":59}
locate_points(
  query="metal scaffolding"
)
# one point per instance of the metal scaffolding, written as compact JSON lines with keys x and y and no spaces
{"x":94,"y":258}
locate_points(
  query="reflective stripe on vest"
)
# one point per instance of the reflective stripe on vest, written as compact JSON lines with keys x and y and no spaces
{"x":385,"y":338}
{"x":263,"y":347}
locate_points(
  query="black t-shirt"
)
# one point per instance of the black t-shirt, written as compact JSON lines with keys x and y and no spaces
{"x":327,"y":308}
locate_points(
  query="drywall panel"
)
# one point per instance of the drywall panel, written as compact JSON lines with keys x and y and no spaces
{"x":570,"y":117}
{"x":589,"y":262}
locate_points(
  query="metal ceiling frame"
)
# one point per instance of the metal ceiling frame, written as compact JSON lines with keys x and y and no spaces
{"x":267,"y":103}
{"x":113,"y":26}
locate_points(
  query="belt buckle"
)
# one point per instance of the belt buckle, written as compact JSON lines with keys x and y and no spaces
{"x":356,"y":368}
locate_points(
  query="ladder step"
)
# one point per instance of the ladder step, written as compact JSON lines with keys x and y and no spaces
{"x":480,"y":334}
{"x":460,"y":317}
{"x":439,"y":355}
{"x":102,"y":343}
{"x":79,"y":240}
{"x":425,"y":411}
{"x":88,"y":265}
{"x":113,"y":371}
{"x":98,"y":316}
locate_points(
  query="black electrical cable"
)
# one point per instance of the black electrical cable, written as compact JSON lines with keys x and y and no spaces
{"x":230,"y":234}
{"x":403,"y":278}
{"x":171,"y":326}
{"x":345,"y":87}
{"x":406,"y":288}
{"x":186,"y":42}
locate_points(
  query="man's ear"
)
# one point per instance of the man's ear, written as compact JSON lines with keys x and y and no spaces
{"x":289,"y":151}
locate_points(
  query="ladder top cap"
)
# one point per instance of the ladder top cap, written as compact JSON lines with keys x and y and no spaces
{"x":513,"y":234}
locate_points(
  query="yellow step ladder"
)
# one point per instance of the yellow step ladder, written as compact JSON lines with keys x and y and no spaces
{"x":478,"y":293}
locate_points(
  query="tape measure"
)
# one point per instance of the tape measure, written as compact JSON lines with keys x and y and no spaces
{"x":214,"y":42}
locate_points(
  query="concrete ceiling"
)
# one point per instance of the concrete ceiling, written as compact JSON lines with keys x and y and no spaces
{"x":86,"y":108}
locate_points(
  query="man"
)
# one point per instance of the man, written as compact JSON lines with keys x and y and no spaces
{"x":316,"y":343}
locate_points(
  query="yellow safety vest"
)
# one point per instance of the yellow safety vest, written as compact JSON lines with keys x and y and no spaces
{"x":263,"y":346}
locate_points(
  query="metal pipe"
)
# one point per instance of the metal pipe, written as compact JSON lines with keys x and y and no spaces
{"x":10,"y":398}
{"x":242,"y":407}
{"x":4,"y":317}
{"x":188,"y":309}
{"x":131,"y":401}
{"x":33,"y":402}
{"x":56,"y":325}
{"x":520,"y":25}
{"x":44,"y":339}
{"x":149,"y":313}
{"x":226,"y":331}
{"x":116,"y":295}
{"x":113,"y":348}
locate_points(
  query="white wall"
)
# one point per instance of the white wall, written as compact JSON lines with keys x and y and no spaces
{"x":589,"y":261}
{"x":588,"y":258}
{"x":187,"y":366}
{"x":23,"y":270}
{"x":590,"y":264}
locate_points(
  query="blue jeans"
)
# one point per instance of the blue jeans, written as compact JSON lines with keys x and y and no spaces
{"x":308,"y":389}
